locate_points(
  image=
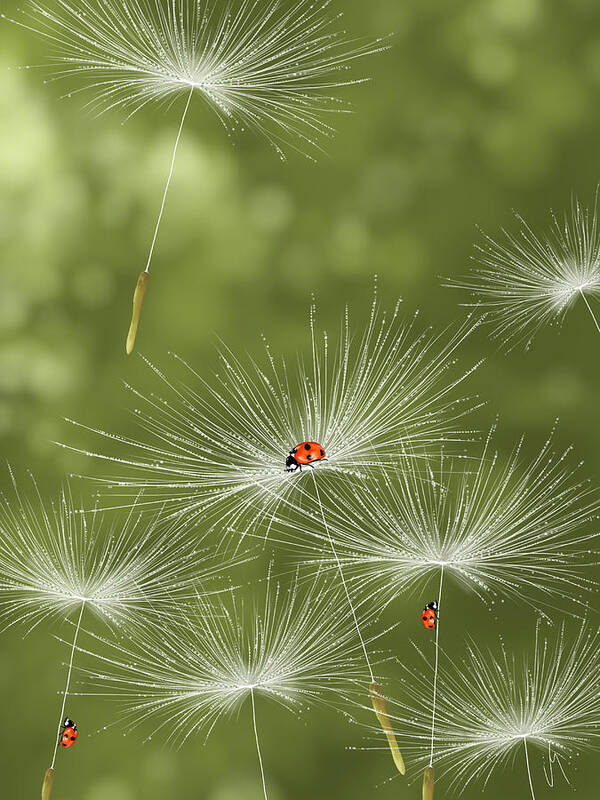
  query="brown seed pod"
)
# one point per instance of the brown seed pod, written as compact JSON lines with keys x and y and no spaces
{"x":138,"y":299}
{"x":380,"y":708}
{"x":48,"y":783}
{"x":428,"y":781}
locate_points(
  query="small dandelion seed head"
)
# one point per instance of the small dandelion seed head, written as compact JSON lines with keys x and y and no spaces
{"x":499,"y":527}
{"x":268,"y":66}
{"x":527,"y":280}
{"x":54,"y":558}
{"x":496,"y":701}
{"x":220,"y":447}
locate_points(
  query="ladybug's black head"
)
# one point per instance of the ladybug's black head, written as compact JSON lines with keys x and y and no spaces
{"x":291,"y":463}
{"x":433,"y":605}
{"x":68,"y":723}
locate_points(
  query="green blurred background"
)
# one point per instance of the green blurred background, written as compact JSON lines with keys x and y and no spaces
{"x":481,"y":106}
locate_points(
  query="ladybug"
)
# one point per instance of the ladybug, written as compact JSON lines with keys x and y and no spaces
{"x":70,"y":733}
{"x":429,"y":615}
{"x":304,"y":454}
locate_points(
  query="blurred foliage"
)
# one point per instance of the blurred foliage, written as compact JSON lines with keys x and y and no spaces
{"x":481,"y":106}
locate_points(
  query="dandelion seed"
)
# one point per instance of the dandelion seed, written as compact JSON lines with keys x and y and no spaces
{"x":57,"y":562}
{"x":54,"y":558}
{"x":138,"y":299}
{"x":527,"y":281}
{"x":428,"y":783}
{"x":380,"y":708}
{"x":296,"y":649}
{"x":220,"y":448}
{"x":520,"y":529}
{"x":497,"y":707}
{"x":500,"y":527}
{"x":48,"y":784}
{"x":267,"y":66}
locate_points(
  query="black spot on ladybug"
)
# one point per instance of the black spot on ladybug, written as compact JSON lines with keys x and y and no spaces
{"x":309,"y":455}
{"x":307,"y":446}
{"x":322,"y":453}
{"x":295,"y":450}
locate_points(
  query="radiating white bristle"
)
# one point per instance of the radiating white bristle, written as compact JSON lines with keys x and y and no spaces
{"x":521,"y":527}
{"x":218,"y":447}
{"x":527,"y":280}
{"x":264,"y":65}
{"x":54,"y":558}
{"x":502,"y":707}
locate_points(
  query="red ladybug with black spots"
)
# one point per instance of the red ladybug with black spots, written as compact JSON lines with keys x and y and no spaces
{"x":305,"y":454}
{"x":70,"y":733}
{"x":429,"y":615}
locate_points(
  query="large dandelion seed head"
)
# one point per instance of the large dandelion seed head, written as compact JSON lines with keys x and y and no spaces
{"x":527,"y":280}
{"x":498,"y":527}
{"x":295,"y":647}
{"x":495,"y":703}
{"x":223,"y":445}
{"x":268,"y":65}
{"x":54,"y":558}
